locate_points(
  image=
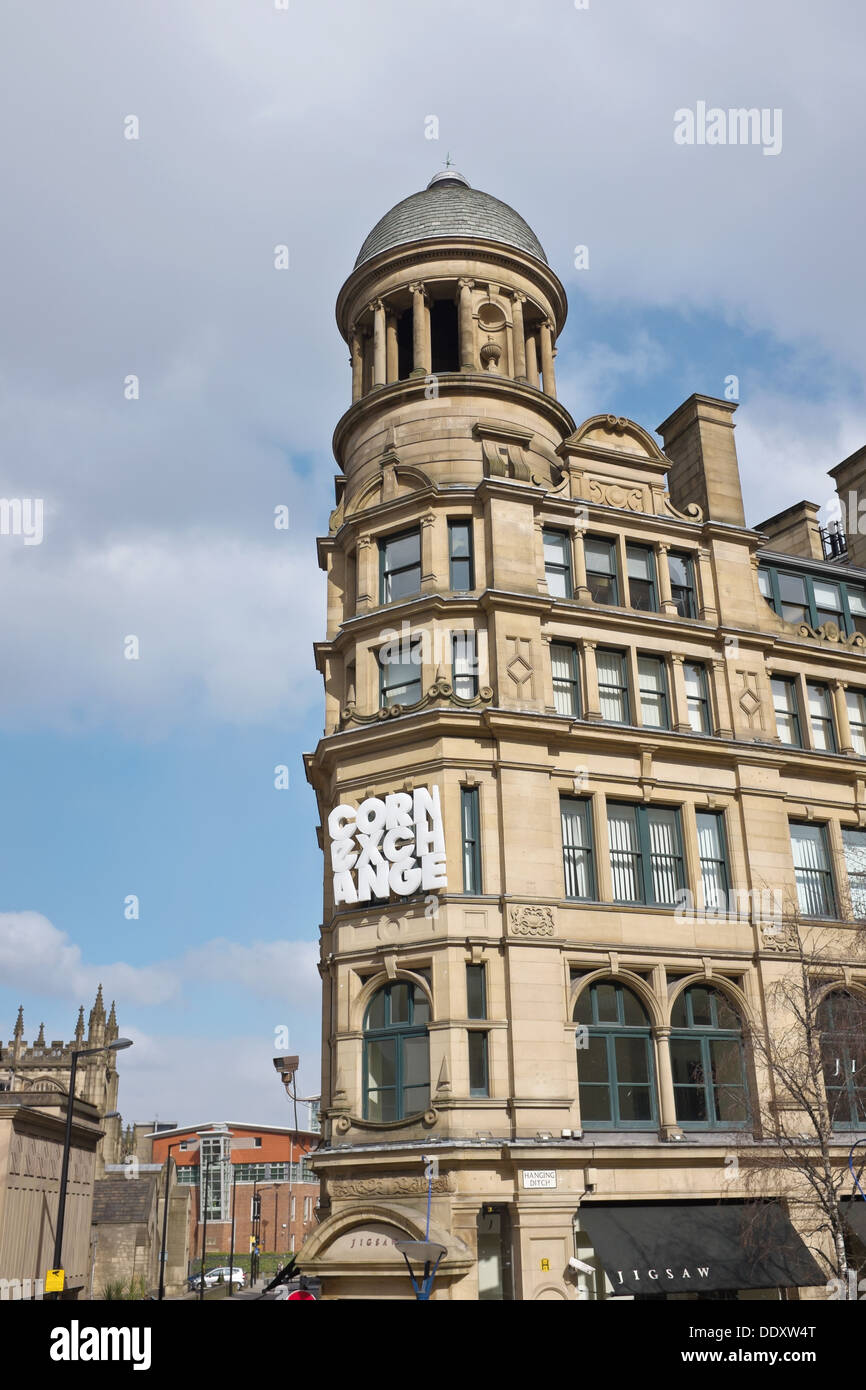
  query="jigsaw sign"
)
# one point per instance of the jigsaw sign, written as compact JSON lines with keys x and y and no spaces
{"x":394,"y":844}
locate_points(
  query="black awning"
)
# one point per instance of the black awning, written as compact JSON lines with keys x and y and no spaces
{"x":854,"y":1213}
{"x":673,"y":1247}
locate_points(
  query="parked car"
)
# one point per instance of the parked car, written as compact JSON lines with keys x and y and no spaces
{"x":213,"y":1276}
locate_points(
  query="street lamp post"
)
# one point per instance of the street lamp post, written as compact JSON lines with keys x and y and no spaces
{"x":116,"y":1046}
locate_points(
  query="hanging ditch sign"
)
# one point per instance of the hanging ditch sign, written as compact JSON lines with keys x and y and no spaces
{"x":392,"y":844}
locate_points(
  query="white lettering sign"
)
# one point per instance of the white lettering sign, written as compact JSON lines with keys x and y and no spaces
{"x":539,"y":1177}
{"x":391,"y":845}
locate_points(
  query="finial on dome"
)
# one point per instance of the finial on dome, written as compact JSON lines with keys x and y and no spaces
{"x":448,"y":175}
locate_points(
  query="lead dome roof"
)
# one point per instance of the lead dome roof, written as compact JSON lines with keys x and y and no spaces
{"x":450,"y":207}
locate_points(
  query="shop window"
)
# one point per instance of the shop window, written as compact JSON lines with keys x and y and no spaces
{"x":708,"y":1061}
{"x":396,"y":1053}
{"x":841,"y":1018}
{"x":614,"y":1059}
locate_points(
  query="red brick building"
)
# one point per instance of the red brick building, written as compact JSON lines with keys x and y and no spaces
{"x":243,"y":1162}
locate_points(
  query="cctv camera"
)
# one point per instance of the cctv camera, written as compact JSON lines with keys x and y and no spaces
{"x":286,"y":1064}
{"x":580,"y":1266}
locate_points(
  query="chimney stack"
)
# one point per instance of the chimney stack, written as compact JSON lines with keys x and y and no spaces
{"x":699,"y":441}
{"x":850,"y":479}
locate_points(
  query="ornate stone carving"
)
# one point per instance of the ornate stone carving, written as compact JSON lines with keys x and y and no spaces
{"x":749,"y":700}
{"x":519,"y":669}
{"x":441,"y":689}
{"x":779,"y":937}
{"x":831,"y":632}
{"x":391,"y":1187}
{"x":532,"y":920}
{"x":628,"y":498}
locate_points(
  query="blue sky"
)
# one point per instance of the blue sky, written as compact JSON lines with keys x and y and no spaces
{"x":301,"y":127}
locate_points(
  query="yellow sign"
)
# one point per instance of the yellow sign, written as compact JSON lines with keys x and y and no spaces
{"x":545,"y":1265}
{"x":54,"y":1281}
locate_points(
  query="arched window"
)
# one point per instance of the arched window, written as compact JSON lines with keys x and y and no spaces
{"x":707,"y":1061}
{"x":842,"y":1020}
{"x":614,"y":1059}
{"x":396,"y":1053}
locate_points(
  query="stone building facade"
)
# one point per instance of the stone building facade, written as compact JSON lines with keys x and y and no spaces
{"x":580,"y":718}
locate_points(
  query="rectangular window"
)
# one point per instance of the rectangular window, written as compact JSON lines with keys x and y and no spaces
{"x":814,"y":599}
{"x":787,"y":710}
{"x":641,"y":577}
{"x":566,"y":686}
{"x":645,"y":853}
{"x":308,"y":1209}
{"x":815,"y":895}
{"x":821,"y":717}
{"x":682,"y":576}
{"x":576,"y":818}
{"x":464,"y":665}
{"x":794,"y":600}
{"x":653,"y":686}
{"x":613,"y":686}
{"x":854,"y":843}
{"x":470,"y":825}
{"x":601,"y":569}
{"x":828,"y":603}
{"x":714,"y":860}
{"x":857,"y":609}
{"x":400,"y":673}
{"x":478,"y":1083}
{"x":460,"y":557}
{"x":292,"y":1217}
{"x":697,"y":696}
{"x":476,"y":991}
{"x":557,"y":564}
{"x":400,"y":566}
{"x":855,"y":701}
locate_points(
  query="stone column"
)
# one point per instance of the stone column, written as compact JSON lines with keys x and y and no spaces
{"x":589,"y":676}
{"x":420,"y":331}
{"x":581,"y":588}
{"x":378,"y":311}
{"x":532,"y":359}
{"x":468,"y":354}
{"x":667,"y":1103}
{"x":663,"y":577}
{"x":721,"y":702}
{"x":428,"y":572}
{"x":357,"y":360}
{"x":392,"y":369}
{"x":367,"y":572}
{"x":546,"y":334}
{"x":519,"y":337}
{"x":843,"y":723}
{"x":680,"y":711}
{"x":708,"y":610}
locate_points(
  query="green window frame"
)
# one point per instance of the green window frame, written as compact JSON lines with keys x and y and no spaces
{"x":820,"y":703}
{"x":400,"y":565}
{"x":646,"y":853}
{"x":697,"y":696}
{"x":615,"y":1062}
{"x":613,"y":693}
{"x":601,"y":570}
{"x":841,"y":1018}
{"x":786,"y":707}
{"x":578,"y":865}
{"x":565,"y":673}
{"x":713,"y":858}
{"x":557,"y":563}
{"x":464,"y":664}
{"x":479,"y":1062}
{"x":708,"y":1061}
{"x":461,"y":560}
{"x":854,"y":849}
{"x":470,"y":827}
{"x":642,"y":589}
{"x":816,"y":894}
{"x":800,"y":597}
{"x":652,"y":679}
{"x":855,"y":703}
{"x":681,"y":569}
{"x":476,"y":990}
{"x":400,"y":680}
{"x":396,"y":1053}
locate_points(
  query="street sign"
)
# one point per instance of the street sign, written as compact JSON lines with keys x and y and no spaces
{"x":54,"y":1280}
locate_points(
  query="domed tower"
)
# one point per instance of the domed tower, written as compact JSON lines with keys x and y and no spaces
{"x":436,"y":580}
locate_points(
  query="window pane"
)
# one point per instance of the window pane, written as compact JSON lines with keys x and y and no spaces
{"x":854,"y":843}
{"x":399,"y":1003}
{"x":611,"y":686}
{"x":633,"y":1011}
{"x":416,"y":1064}
{"x":583,"y":1007}
{"x":653,"y":692}
{"x":599,"y":555}
{"x":792,"y":590}
{"x":664,"y":854}
{"x":564,"y":669}
{"x":701,"y":1008}
{"x":576,"y":848}
{"x":624,"y":854}
{"x":475,"y":1000}
{"x":696,"y":696}
{"x":856,"y":703}
{"x":606,"y":1003}
{"x":376,"y":1012}
{"x":556,"y":551}
{"x":632,"y":1060}
{"x":635,"y":1103}
{"x":459,"y":532}
{"x":826,"y":595}
{"x":477,"y":1063}
{"x":420,"y":1006}
{"x":465,"y":664}
{"x":764,"y":583}
{"x":785,"y":706}
{"x":814,"y":886}
{"x":381,"y":1063}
